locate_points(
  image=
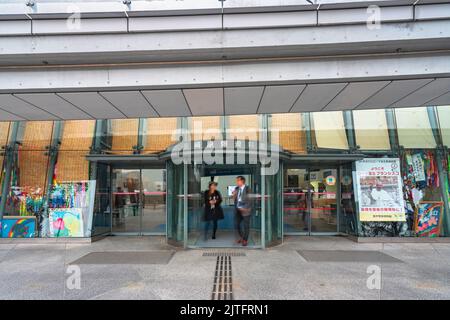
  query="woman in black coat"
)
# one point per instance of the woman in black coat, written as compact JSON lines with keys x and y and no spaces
{"x":213,"y":210}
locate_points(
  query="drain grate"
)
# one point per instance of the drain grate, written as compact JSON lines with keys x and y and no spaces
{"x":223,"y":281}
{"x":224,"y":253}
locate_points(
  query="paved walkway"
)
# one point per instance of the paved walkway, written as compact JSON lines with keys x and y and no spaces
{"x":38,"y":271}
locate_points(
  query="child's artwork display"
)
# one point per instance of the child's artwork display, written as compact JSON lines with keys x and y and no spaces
{"x":66,"y":222}
{"x":71,"y":206}
{"x":428,"y":218}
{"x":18,"y":227}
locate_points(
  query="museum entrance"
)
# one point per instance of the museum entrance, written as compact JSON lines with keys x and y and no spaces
{"x":200,"y":229}
{"x":187,"y":225}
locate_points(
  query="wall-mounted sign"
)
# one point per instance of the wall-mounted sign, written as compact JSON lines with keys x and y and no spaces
{"x":379,"y":188}
{"x":330,"y":180}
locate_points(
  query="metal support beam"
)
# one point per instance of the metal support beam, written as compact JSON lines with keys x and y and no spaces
{"x":443,"y":177}
{"x":142,"y":127}
{"x":350,"y":131}
{"x":53,"y":156}
{"x":392,"y":131}
{"x":9,"y":154}
{"x":173,"y":45}
{"x":306,"y":125}
{"x":227,"y":74}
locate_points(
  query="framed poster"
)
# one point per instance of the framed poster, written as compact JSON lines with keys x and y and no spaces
{"x":428,"y":218}
{"x":18,"y":227}
{"x":66,"y":222}
{"x":378,"y":185}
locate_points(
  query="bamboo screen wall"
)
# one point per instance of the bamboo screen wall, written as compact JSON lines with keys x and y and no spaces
{"x":243,"y":127}
{"x":291,"y":135}
{"x":124,"y":135}
{"x":77,"y":137}
{"x":32,"y":158}
{"x":158,"y":134}
{"x":4,"y":132}
{"x":205,"y":128}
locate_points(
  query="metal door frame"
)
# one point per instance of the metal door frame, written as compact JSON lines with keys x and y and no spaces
{"x":309,"y":200}
{"x":140,"y":232}
{"x":185,"y":210}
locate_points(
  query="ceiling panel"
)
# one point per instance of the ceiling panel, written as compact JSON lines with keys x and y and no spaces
{"x":429,"y":92}
{"x":205,"y":102}
{"x":242,"y":100}
{"x":393,"y":92}
{"x":10,"y":103}
{"x":316,"y":96}
{"x":93,"y":104}
{"x":6,"y":116}
{"x":443,"y":100}
{"x":168,"y":103}
{"x":132,"y":103}
{"x":55,"y":105}
{"x":279,"y":99}
{"x":354,"y":94}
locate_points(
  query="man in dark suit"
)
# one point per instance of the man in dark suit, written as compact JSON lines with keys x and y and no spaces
{"x":243,"y":209}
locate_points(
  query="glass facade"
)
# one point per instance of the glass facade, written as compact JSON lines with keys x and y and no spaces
{"x":28,"y":183}
{"x":117,"y":176}
{"x":328,"y":129}
{"x":371,"y":129}
{"x":4,"y":137}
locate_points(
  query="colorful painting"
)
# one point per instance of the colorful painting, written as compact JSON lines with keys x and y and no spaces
{"x":67,"y":222}
{"x":18,"y":227}
{"x":428,"y":218}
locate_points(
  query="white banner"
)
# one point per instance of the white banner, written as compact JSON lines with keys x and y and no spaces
{"x":378,"y":185}
{"x":418,"y":167}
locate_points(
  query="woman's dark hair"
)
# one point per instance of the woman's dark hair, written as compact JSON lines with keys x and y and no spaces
{"x":212,"y":183}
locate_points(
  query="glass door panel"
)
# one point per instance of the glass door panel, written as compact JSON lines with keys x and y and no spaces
{"x":153,"y":201}
{"x":347,"y":221}
{"x":139,"y":201}
{"x":126,"y":188}
{"x":296,"y":200}
{"x":200,"y":231}
{"x":195,"y":206}
{"x":310,"y":200}
{"x":255,"y":183}
{"x":323,"y":206}
{"x":102,"y":209}
{"x":175,"y":203}
{"x":273,"y":208}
